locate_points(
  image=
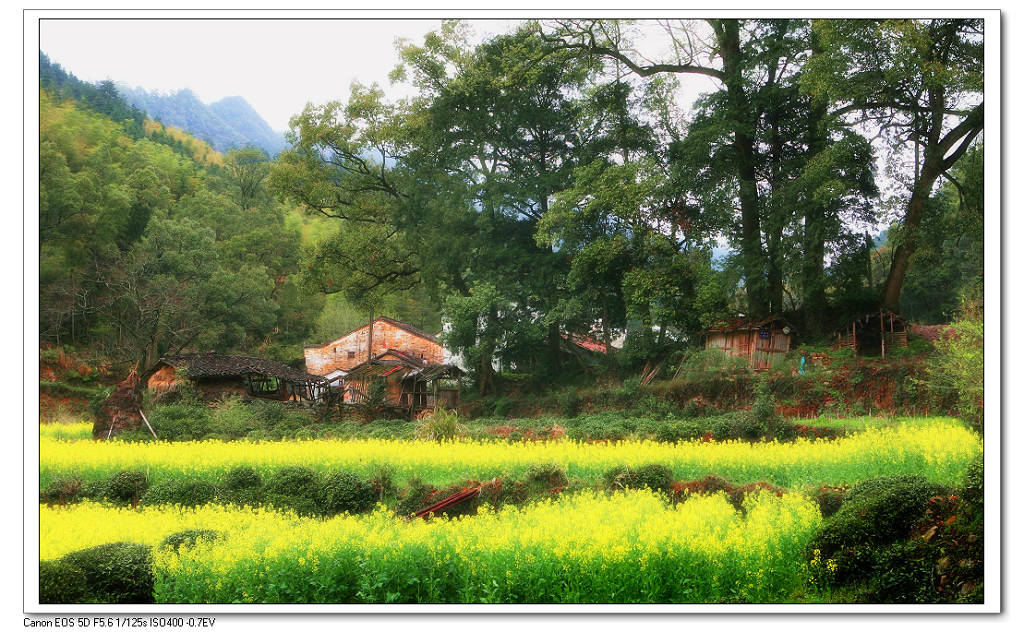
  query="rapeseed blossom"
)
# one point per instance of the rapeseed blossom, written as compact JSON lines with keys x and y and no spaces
{"x":938,"y":449}
{"x":584,"y":547}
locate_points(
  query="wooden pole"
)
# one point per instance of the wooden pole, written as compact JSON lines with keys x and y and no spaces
{"x":369,"y":345}
{"x":881,"y":324}
{"x":147,"y":424}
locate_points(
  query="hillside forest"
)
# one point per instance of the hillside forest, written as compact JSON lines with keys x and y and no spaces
{"x":542,"y":183}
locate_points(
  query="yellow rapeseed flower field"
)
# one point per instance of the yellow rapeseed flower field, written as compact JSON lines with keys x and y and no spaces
{"x":939,"y":449}
{"x":585,"y":547}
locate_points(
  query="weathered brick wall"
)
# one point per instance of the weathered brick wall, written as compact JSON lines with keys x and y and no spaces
{"x":350,"y":350}
{"x":162,"y":380}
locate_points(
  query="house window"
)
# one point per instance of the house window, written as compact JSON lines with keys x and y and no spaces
{"x":351,"y":354}
{"x":263,"y":384}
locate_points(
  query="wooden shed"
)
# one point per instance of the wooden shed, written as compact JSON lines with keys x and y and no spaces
{"x":763,"y":343}
{"x":411,"y":383}
{"x":873,"y":334}
{"x":215,"y":374}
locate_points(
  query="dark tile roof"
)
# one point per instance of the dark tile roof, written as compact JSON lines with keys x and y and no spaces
{"x":219,"y":365}
{"x":397,"y":323}
{"x":745,"y":324}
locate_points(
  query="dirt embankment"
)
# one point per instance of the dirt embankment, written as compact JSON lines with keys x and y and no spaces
{"x":68,"y":383}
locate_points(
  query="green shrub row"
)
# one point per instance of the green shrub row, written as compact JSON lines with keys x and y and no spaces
{"x":308,"y":493}
{"x":271,"y":421}
{"x":299,"y":488}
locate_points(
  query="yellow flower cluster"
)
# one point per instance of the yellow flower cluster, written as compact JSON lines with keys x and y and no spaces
{"x":939,"y":449}
{"x":584,"y":547}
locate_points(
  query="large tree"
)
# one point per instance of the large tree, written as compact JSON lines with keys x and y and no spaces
{"x":759,"y":158}
{"x":919,"y":85}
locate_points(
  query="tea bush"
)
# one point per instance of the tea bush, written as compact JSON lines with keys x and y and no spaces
{"x":829,"y":499}
{"x":182,"y":421}
{"x":652,"y":476}
{"x":241,"y":478}
{"x":62,"y":491}
{"x":179,"y":539}
{"x":875,"y":514}
{"x":973,"y":489}
{"x":232,"y":418}
{"x":115,"y":573}
{"x":902,"y":573}
{"x":294,"y":487}
{"x":62,"y":582}
{"x":546,"y":477}
{"x":674,"y":430}
{"x":187,"y":493}
{"x":127,"y":486}
{"x":345,"y":492}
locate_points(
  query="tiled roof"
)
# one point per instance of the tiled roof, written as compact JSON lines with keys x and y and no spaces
{"x":745,"y":324}
{"x":586,"y":342}
{"x":397,"y":323}
{"x":219,"y":365}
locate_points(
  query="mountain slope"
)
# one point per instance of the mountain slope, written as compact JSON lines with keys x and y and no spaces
{"x":249,"y":123}
{"x":230,"y":123}
{"x":101,"y":97}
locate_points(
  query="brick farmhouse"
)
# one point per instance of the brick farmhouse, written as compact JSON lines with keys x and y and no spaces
{"x":410,"y":360}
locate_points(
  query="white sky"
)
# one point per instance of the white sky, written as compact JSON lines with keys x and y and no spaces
{"x":276,"y":65}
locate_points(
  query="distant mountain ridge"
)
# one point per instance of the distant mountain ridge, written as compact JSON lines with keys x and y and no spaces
{"x":230,"y":123}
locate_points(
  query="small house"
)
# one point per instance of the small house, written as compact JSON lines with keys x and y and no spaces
{"x":215,"y":374}
{"x":333,"y":360}
{"x":873,"y":334}
{"x":409,"y":382}
{"x":763,"y":343}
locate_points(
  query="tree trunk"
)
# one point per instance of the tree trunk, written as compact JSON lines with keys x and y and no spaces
{"x":554,"y":348}
{"x":813,"y":271}
{"x":940,"y":154}
{"x":606,"y":336}
{"x":908,"y":236}
{"x":486,"y":374}
{"x":752,"y":254}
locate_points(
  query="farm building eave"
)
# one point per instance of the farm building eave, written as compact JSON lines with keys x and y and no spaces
{"x":587,"y":343}
{"x":397,"y":323}
{"x":864,"y":318}
{"x":745,"y":324}
{"x":381,"y":365}
{"x":201,"y":365}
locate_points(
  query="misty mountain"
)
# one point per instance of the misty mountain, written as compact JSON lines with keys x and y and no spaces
{"x":230,"y":123}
